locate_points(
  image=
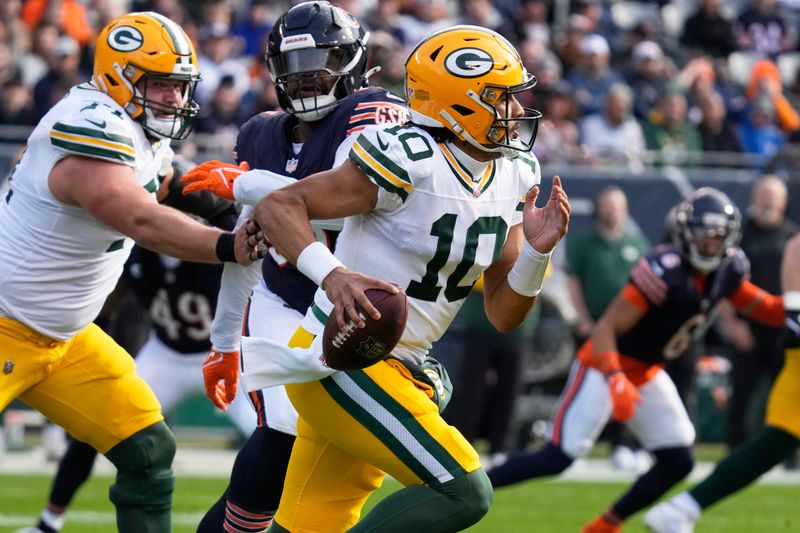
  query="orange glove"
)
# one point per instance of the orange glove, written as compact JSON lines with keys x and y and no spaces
{"x":214,"y":176}
{"x":624,"y":396}
{"x":221,"y":375}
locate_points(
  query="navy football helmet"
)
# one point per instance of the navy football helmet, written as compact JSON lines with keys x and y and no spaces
{"x":706,"y":225}
{"x":317,"y":56}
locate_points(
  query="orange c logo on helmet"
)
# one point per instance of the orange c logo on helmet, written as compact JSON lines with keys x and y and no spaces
{"x":125,"y":39}
{"x":468,"y":62}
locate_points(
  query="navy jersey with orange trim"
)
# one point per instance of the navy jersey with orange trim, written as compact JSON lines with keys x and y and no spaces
{"x":265,"y":142}
{"x":681,"y":302}
{"x":181,"y":297}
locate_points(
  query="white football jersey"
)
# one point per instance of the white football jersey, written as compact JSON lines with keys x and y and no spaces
{"x":57,"y":262}
{"x":435,"y":227}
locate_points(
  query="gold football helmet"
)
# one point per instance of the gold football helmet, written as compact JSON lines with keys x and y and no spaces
{"x":148,"y":46}
{"x":458,"y":77}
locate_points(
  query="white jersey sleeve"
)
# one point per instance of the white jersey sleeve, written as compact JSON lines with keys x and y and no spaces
{"x":529,"y":173}
{"x":97,"y":131}
{"x":387,"y":157}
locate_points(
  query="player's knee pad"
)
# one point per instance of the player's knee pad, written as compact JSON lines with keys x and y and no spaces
{"x":144,"y":469}
{"x":474,"y":493}
{"x":674,"y":464}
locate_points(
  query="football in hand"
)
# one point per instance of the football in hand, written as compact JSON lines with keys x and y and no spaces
{"x":353,"y":348}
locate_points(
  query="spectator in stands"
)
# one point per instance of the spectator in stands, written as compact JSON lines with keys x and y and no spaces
{"x":532,"y":22}
{"x":8,"y":68}
{"x":567,"y":43}
{"x":64,"y":63}
{"x":557,"y":139}
{"x":614,"y":135}
{"x":765,"y":79}
{"x":483,"y":13}
{"x":69,"y":15}
{"x":32,"y":63}
{"x":16,"y":103}
{"x":717,"y":133}
{"x":224,"y":115}
{"x":759,"y":356}
{"x":764,"y":28}
{"x":648,"y":77}
{"x":218,"y":59}
{"x":708,"y":31}
{"x":385,"y":18}
{"x":423,"y":17}
{"x":674,"y":139}
{"x":759,"y":129}
{"x":254,"y":28}
{"x":592,"y":78}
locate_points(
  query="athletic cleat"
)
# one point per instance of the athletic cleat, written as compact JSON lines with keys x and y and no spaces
{"x":601,"y":525}
{"x":666,"y":517}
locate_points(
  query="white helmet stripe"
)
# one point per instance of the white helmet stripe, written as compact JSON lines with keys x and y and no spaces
{"x":179,"y":38}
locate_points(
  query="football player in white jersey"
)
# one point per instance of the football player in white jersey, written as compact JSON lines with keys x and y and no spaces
{"x":82,"y":192}
{"x":429,"y":207}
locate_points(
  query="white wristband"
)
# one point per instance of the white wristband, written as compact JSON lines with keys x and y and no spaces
{"x":316,"y":262}
{"x":791,"y":300}
{"x":527,"y":275}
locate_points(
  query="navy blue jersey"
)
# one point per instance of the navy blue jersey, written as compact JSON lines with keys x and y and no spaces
{"x":265,"y":142}
{"x":682,"y":303}
{"x":180,"y":295}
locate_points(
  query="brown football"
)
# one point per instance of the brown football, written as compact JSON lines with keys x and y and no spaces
{"x":354,"y":348}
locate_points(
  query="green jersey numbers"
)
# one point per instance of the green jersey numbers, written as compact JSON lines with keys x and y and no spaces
{"x":443,"y":229}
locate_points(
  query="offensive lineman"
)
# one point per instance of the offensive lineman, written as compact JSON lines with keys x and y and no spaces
{"x":86,"y":183}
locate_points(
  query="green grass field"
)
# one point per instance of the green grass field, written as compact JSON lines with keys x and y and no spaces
{"x":535,"y":507}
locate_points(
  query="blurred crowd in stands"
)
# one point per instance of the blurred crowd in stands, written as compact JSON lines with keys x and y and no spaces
{"x":684,"y":83}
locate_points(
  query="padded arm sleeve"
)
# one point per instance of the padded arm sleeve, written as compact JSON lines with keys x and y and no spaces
{"x":235,"y":287}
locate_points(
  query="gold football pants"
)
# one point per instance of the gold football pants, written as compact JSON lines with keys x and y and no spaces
{"x":87,"y":384}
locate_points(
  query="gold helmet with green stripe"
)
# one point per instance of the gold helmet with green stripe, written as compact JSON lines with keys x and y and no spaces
{"x":137,"y":51}
{"x":459,"y":77}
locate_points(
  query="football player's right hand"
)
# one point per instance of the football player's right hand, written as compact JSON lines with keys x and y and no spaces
{"x":221,"y":376}
{"x":214,"y":176}
{"x":624,"y":396}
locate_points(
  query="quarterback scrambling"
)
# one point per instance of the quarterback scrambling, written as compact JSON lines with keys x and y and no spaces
{"x":428,"y":206}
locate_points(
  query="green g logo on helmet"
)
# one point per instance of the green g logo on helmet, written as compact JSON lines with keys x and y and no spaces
{"x":468,"y":62}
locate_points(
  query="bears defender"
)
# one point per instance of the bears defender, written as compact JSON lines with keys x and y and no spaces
{"x":778,"y":439}
{"x":669,"y":302}
{"x":428,"y":206}
{"x":317,"y":56}
{"x":82,"y":192}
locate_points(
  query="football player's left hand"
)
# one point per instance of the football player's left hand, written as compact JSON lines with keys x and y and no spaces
{"x":545,"y":226}
{"x":624,"y":396}
{"x":214,"y":176}
{"x":221,"y":377}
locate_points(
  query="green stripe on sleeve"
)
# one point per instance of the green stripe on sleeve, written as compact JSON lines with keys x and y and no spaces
{"x":381,"y":158}
{"x":520,"y":206}
{"x":152,"y":186}
{"x":91,"y":132}
{"x":93,"y":151}
{"x":319,"y":314}
{"x":376,"y":176}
